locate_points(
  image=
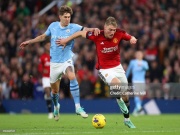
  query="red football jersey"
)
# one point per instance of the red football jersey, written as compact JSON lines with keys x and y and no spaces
{"x":108,"y":50}
{"x":44,"y":65}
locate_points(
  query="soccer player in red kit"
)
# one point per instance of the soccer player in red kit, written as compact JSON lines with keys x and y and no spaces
{"x":108,"y":63}
{"x":44,"y":69}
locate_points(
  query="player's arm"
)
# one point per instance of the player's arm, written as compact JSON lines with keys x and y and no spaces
{"x":64,"y":41}
{"x":128,"y":37}
{"x":32,"y":41}
{"x":96,"y":31}
{"x":145,"y":65}
{"x":128,"y":71}
{"x":133,"y":40}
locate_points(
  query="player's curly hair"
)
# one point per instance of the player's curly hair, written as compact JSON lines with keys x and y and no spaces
{"x":111,"y":21}
{"x":65,"y":9}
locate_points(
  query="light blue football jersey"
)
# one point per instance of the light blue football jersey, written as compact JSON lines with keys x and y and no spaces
{"x":138,"y":70}
{"x":56,"y":31}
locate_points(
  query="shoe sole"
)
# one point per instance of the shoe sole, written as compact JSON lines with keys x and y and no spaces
{"x":128,"y":126}
{"x":82,"y":116}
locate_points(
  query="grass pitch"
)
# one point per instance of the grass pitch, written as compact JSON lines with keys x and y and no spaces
{"x":71,"y":124}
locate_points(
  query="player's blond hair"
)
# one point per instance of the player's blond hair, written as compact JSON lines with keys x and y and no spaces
{"x":65,"y":9}
{"x":111,"y":21}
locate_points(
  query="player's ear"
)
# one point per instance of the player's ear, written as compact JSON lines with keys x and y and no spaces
{"x":59,"y":17}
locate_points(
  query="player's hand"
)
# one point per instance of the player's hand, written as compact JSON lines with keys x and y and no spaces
{"x":133,"y":40}
{"x":24,"y":44}
{"x":61,"y":42}
{"x":96,"y":31}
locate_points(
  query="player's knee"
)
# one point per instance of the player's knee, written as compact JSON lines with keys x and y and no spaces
{"x":115,"y":81}
{"x":71,"y":76}
{"x":125,"y":98}
{"x":54,"y":91}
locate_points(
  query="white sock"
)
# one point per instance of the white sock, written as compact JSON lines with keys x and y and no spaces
{"x":77,"y":106}
{"x":126,"y":119}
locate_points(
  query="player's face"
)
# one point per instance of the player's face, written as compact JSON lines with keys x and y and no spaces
{"x":109,"y":31}
{"x":139,"y":55}
{"x":65,"y":19}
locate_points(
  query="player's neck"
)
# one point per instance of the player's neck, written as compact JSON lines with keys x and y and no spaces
{"x":106,"y":36}
{"x":62,"y":25}
{"x":139,"y":59}
{"x":47,"y":52}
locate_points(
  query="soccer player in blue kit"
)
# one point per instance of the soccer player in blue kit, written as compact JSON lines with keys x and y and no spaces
{"x":61,"y":58}
{"x":138,"y":68}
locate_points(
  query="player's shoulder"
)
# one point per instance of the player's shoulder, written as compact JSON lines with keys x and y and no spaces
{"x":133,"y":61}
{"x":120,"y":30}
{"x":54,"y":24}
{"x":101,"y":32}
{"x":90,"y":33}
{"x":74,"y":25}
{"x":44,"y":55}
{"x":144,"y":61}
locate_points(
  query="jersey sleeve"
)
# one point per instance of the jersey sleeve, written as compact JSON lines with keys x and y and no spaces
{"x":126,"y":36}
{"x":145,"y":65}
{"x":48,"y":32}
{"x":77,"y":27}
{"x":90,"y":35}
{"x":128,"y":71}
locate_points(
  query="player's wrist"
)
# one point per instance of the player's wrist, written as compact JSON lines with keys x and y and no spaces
{"x":29,"y":42}
{"x":95,"y":29}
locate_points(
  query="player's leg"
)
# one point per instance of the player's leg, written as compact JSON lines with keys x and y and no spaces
{"x":139,"y":87}
{"x":48,"y":100}
{"x":138,"y":105}
{"x":55,"y":98}
{"x":55,"y":76}
{"x":74,"y":89}
{"x":125,"y":97}
{"x":47,"y":95}
{"x":115,"y":76}
{"x":109,"y":77}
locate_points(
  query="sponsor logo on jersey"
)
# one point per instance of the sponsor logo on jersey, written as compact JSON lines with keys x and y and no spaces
{"x":54,"y":37}
{"x":110,"y":49}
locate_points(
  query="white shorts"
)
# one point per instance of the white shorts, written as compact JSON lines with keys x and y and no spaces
{"x":58,"y":69}
{"x":46,"y":82}
{"x":117,"y":72}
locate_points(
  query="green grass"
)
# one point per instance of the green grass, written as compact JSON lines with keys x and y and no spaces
{"x":71,"y":124}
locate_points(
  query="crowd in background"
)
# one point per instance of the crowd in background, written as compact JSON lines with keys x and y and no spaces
{"x":155,"y":23}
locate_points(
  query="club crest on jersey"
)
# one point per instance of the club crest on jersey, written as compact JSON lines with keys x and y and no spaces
{"x":68,"y":30}
{"x":115,"y":40}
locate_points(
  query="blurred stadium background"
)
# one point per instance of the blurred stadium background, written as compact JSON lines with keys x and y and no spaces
{"x":156,"y":24}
